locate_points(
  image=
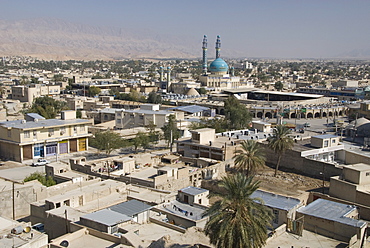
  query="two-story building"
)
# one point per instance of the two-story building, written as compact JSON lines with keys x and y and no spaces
{"x":36,"y":137}
{"x":27,"y":93}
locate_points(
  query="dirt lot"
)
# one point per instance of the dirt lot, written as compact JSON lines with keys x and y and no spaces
{"x":288,"y":183}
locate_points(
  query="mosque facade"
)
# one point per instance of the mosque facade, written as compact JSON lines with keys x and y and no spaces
{"x":218,"y":75}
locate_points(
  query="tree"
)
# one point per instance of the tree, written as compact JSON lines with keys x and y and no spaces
{"x":154,"y":98}
{"x":237,"y":220}
{"x":279,"y":85}
{"x":154,"y":135}
{"x":249,"y":157}
{"x":47,"y":107}
{"x":236,"y":114}
{"x":170,"y":131}
{"x":141,"y":139}
{"x":202,"y":91}
{"x":43,"y":179}
{"x":107,"y":141}
{"x":58,"y":77}
{"x":279,"y":142}
{"x":93,"y":91}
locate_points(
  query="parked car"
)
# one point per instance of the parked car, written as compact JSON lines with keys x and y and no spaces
{"x":307,"y":124}
{"x":41,"y":162}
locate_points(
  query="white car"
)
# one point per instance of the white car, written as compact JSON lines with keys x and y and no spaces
{"x":41,"y":162}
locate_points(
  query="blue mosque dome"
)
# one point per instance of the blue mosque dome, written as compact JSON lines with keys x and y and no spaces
{"x":219,"y":65}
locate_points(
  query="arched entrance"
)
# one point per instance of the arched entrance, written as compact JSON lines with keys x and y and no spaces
{"x":323,"y":114}
{"x":259,"y":115}
{"x":293,"y":115}
{"x":330,"y":113}
{"x":309,"y":115}
{"x":317,"y":115}
{"x":268,"y":115}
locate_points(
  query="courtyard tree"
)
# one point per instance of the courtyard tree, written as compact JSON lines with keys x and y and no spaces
{"x":170,"y":131}
{"x":47,"y":107}
{"x":93,"y":91}
{"x":279,"y":142}
{"x":279,"y":85}
{"x":236,"y":220}
{"x":42,"y":178}
{"x":249,"y":158}
{"x":236,"y":114}
{"x":107,"y":141}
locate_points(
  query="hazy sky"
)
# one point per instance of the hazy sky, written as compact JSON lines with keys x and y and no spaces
{"x":253,"y":28}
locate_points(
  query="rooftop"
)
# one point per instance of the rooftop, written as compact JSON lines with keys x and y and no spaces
{"x":107,"y":217}
{"x":130,"y":208}
{"x":183,"y":210}
{"x":21,"y":124}
{"x":190,"y":108}
{"x":325,"y":136}
{"x":333,"y":211}
{"x":276,"y":201}
{"x":358,"y":167}
{"x":190,"y":190}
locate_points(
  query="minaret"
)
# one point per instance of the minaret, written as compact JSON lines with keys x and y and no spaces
{"x":161,"y":74}
{"x":168,"y":78}
{"x":218,"y":46}
{"x":204,"y":55}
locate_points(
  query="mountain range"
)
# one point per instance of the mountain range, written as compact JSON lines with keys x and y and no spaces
{"x":60,"y":40}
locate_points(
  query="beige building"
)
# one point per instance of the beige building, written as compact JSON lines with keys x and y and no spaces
{"x":194,"y":195}
{"x":335,"y":220}
{"x":148,"y":113}
{"x":205,"y":144}
{"x":37,"y":137}
{"x":323,"y":141}
{"x":353,"y":185}
{"x":27,"y":93}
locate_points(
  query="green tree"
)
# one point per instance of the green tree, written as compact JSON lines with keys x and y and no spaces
{"x":279,"y":142}
{"x":249,"y":158}
{"x":202,"y":91}
{"x":279,"y":85}
{"x":47,"y":107}
{"x":107,"y":141}
{"x":93,"y":91}
{"x":78,"y":113}
{"x":170,"y":131}
{"x":43,"y":179}
{"x":237,"y":220}
{"x":154,"y":135}
{"x":58,"y":77}
{"x":236,"y":114}
{"x":154,"y":98}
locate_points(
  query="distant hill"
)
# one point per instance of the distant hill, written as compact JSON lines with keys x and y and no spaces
{"x":60,"y":40}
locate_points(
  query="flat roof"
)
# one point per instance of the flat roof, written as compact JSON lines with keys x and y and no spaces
{"x":107,"y":217}
{"x":333,"y":211}
{"x":183,"y":210}
{"x":253,"y":90}
{"x":42,"y":123}
{"x":190,"y":108}
{"x":190,"y":190}
{"x":276,"y":201}
{"x":130,"y":208}
{"x":358,"y":167}
{"x":325,"y":136}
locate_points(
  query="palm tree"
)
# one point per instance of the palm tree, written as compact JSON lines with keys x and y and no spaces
{"x":237,"y":220}
{"x":279,"y":142}
{"x":249,"y":158}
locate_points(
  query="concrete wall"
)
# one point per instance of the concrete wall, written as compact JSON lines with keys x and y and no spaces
{"x":293,"y":160}
{"x":342,"y":189}
{"x":353,"y":157}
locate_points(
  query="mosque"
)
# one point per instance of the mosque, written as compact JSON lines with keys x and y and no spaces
{"x":218,"y":77}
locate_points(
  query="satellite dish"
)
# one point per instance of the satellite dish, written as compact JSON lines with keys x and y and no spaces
{"x":64,"y":243}
{"x":27,"y":229}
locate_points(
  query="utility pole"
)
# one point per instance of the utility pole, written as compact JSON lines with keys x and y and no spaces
{"x":13,"y":193}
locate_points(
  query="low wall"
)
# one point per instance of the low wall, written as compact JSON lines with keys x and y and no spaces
{"x":168,"y":225}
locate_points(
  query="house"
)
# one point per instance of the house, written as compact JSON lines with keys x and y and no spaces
{"x":205,"y":144}
{"x":283,"y":207}
{"x":137,"y":210}
{"x":194,"y":195}
{"x":148,"y":113}
{"x":27,"y":93}
{"x":36,"y":137}
{"x":335,"y":220}
{"x":353,"y":184}
{"x":325,"y":140}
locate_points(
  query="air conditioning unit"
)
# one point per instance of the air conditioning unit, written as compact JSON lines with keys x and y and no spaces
{"x":50,"y":134}
{"x":62,"y":132}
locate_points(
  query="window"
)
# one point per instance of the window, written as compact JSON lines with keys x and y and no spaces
{"x":9,"y":133}
{"x":57,"y":205}
{"x":35,"y":134}
{"x":141,"y":117}
{"x":367,"y":174}
{"x":75,"y":129}
{"x":333,"y":141}
{"x":62,"y":130}
{"x":118,"y":121}
{"x":326,"y":143}
{"x":82,"y":128}
{"x":26,"y":134}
